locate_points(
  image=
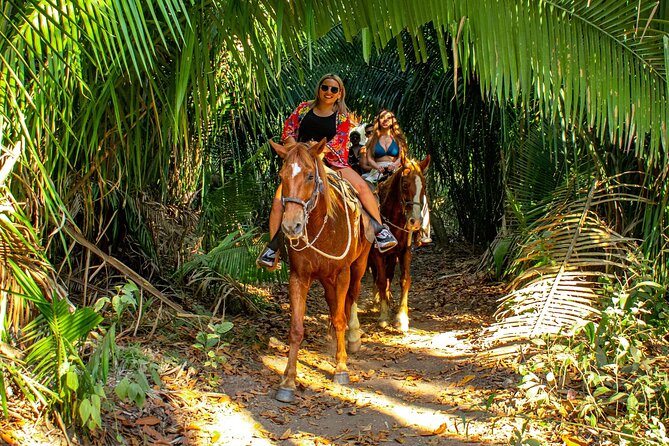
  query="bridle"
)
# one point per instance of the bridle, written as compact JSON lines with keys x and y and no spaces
{"x":310,"y":204}
{"x":405,"y":204}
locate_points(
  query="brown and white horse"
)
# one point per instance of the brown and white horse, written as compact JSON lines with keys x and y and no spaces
{"x":326,"y":242}
{"x":402,"y":197}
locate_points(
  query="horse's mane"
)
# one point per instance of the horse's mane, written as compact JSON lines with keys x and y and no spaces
{"x":393,"y":182}
{"x":390,"y":184}
{"x":300,"y":154}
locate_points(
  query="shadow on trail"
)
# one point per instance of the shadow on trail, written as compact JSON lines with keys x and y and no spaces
{"x":423,"y":388}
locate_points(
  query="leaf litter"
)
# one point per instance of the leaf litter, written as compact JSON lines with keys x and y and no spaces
{"x":426,"y":387}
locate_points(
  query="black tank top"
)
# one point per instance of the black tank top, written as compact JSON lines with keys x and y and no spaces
{"x":314,"y":127}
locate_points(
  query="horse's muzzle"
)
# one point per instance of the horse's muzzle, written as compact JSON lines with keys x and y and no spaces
{"x":413,"y":223}
{"x":293,"y":228}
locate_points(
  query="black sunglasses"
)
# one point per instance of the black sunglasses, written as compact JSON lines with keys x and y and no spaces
{"x":334,"y":90}
{"x":369,"y":132}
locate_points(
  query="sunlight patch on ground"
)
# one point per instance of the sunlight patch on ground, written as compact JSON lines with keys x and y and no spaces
{"x":447,"y":344}
{"x":232,"y":425}
{"x":423,"y":420}
{"x":26,"y":435}
{"x":215,"y":419}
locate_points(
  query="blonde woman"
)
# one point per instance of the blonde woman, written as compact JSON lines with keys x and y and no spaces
{"x":386,"y":151}
{"x":386,"y":146}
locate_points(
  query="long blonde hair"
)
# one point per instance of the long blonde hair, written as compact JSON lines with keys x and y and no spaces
{"x":395,"y":132}
{"x":340,"y":105}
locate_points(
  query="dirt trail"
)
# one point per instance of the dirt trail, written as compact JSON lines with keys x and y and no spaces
{"x":423,"y":388}
{"x":426,"y":387}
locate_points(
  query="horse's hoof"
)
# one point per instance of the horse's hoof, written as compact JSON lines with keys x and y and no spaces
{"x":402,"y":323}
{"x":285,"y":395}
{"x":354,"y":346}
{"x":404,"y":328}
{"x":341,"y":378}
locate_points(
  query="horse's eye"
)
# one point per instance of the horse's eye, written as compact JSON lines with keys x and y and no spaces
{"x":310,"y":177}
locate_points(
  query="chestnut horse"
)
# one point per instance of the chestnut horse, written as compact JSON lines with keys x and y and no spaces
{"x":401,"y":197}
{"x":326,"y":242}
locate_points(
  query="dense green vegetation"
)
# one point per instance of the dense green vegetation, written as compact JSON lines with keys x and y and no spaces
{"x":139,"y":128}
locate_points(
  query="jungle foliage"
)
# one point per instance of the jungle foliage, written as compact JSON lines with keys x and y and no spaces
{"x":141,"y":127}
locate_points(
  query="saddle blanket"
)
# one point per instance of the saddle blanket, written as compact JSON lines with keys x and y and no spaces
{"x":351,"y":198}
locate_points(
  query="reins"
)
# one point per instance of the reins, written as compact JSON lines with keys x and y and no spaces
{"x":309,"y":206}
{"x":405,"y":203}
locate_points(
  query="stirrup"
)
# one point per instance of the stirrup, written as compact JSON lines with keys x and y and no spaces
{"x":269,"y":259}
{"x":385,"y":239}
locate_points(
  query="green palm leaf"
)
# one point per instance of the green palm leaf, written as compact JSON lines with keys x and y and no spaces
{"x":564,"y":265}
{"x":54,"y":337}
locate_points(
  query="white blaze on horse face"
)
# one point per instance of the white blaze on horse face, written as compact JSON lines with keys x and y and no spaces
{"x":296,"y":169}
{"x":419,"y":190}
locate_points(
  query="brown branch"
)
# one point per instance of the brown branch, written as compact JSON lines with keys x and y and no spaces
{"x":127,"y":271}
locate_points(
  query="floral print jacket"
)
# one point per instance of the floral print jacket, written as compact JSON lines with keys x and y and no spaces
{"x":337,"y":155}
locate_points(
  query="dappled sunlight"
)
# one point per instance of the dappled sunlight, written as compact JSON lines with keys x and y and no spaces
{"x":233,"y":425}
{"x":421,"y":388}
{"x":426,"y":387}
{"x":398,"y":401}
{"x":437,"y":344}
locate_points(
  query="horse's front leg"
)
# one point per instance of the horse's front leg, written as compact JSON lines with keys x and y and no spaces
{"x":379,"y":274}
{"x":402,"y":319}
{"x":297,"y":290}
{"x":335,"y":294}
{"x":354,"y":333}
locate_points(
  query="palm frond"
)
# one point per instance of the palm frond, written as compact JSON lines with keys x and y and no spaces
{"x":565,"y":263}
{"x":570,"y":49}
{"x":222,"y":273}
{"x":54,"y":336}
{"x":234,"y":257}
{"x":19,"y":250}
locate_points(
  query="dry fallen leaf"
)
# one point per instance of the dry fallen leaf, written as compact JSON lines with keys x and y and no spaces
{"x":465,"y":380}
{"x":148,"y":421}
{"x":194,"y":426}
{"x":286,"y":435}
{"x":9,"y":438}
{"x":152,"y":432}
{"x":572,"y":441}
{"x":441,"y":429}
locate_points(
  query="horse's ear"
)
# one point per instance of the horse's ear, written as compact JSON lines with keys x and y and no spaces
{"x":425,"y":163}
{"x":318,"y":148}
{"x":278,"y":148}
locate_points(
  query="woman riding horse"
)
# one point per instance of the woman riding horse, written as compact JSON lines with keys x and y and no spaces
{"x":325,"y":117}
{"x":386,"y":151}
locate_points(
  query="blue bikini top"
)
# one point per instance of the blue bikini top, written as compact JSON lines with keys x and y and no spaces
{"x":393,"y":150}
